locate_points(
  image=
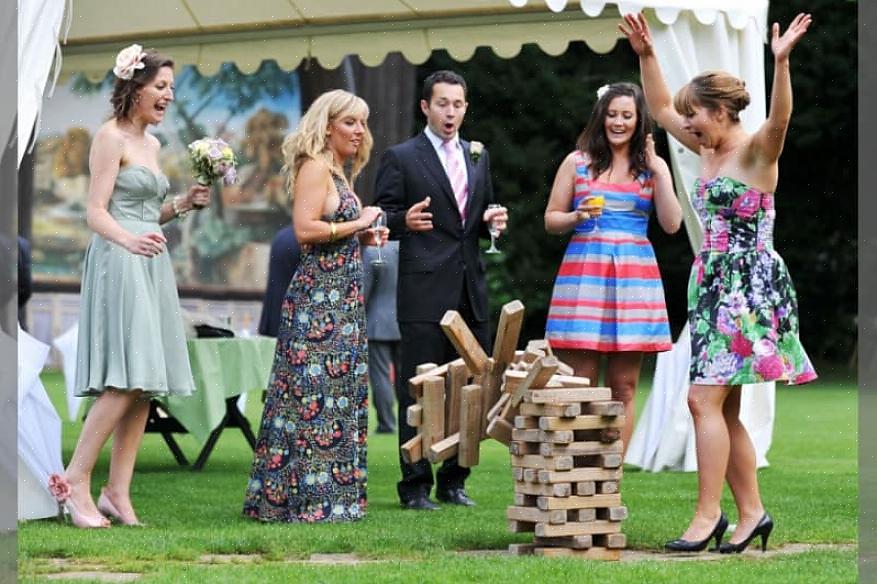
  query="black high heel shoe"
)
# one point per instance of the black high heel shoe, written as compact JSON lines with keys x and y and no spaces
{"x":764,"y":527}
{"x":683,"y":545}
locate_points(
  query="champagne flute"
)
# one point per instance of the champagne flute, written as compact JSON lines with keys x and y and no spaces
{"x":378,"y":225}
{"x":493,"y":230}
{"x":596,"y":201}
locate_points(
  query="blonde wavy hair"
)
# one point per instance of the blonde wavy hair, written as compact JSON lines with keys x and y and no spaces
{"x":308,"y":141}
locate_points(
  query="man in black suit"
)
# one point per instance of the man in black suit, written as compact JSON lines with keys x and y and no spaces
{"x":435,"y":189}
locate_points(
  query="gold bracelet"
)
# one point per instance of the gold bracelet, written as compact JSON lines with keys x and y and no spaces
{"x":333,"y":231}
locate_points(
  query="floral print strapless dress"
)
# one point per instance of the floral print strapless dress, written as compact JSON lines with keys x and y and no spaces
{"x":742,"y":308}
{"x":310,"y":458}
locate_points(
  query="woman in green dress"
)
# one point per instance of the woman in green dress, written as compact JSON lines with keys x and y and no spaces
{"x":131,"y":343}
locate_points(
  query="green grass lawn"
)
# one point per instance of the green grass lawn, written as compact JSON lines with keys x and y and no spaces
{"x":810,"y":489}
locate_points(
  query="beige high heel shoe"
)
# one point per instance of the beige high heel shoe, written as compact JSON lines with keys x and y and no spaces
{"x":105,"y":506}
{"x":60,"y":489}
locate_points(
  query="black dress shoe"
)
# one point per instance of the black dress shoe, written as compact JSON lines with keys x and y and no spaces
{"x":683,"y":545}
{"x":456,"y":496}
{"x":420,"y":503}
{"x":764,"y":527}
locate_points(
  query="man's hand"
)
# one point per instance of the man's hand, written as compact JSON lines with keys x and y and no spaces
{"x":499,"y":216}
{"x":417,"y":218}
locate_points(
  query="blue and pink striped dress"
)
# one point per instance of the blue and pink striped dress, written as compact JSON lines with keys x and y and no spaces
{"x":608,"y":294}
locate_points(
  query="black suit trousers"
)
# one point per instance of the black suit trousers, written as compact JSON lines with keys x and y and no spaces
{"x":426,"y":342}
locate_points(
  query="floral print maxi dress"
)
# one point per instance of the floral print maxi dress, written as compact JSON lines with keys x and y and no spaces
{"x":310,"y":458}
{"x":742,"y":307}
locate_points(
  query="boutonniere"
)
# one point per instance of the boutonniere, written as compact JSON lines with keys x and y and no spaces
{"x":475,"y":150}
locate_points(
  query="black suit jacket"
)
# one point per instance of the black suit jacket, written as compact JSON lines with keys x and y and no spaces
{"x":433,"y":265}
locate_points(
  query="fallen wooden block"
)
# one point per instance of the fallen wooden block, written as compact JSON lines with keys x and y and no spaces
{"x":500,"y":430}
{"x":470,"y":426}
{"x":460,"y":335}
{"x":444,"y":448}
{"x":498,"y":406}
{"x":572,"y":381}
{"x":538,"y":376}
{"x":433,"y":427}
{"x":546,"y":529}
{"x":508,"y":330}
{"x":412,"y":451}
{"x":456,"y":378}
{"x":414,"y":415}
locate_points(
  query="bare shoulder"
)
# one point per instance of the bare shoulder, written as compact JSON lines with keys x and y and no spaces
{"x":109,"y":134}
{"x":313,"y":167}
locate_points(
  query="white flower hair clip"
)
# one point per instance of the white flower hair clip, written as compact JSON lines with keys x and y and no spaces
{"x":602,"y":91}
{"x":128,"y":61}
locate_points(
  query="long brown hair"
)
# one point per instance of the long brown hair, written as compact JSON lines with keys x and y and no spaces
{"x":125,"y":90}
{"x":593,"y":139}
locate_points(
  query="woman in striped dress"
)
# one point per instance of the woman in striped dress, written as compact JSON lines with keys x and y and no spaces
{"x":608,"y":297}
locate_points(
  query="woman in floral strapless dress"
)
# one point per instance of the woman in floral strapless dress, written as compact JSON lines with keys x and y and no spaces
{"x":742,"y":305}
{"x":310,"y":459}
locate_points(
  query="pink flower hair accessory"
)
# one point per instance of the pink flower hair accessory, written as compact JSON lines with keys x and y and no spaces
{"x":129,"y":60}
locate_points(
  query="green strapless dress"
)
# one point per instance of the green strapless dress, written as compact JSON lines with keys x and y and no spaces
{"x":131,"y":333}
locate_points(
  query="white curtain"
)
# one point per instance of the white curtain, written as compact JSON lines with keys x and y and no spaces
{"x":39,"y":432}
{"x":664,"y":435}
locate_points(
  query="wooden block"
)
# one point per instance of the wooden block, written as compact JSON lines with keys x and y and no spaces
{"x":521,"y":527}
{"x":567,"y":395}
{"x":423,"y":368}
{"x":518,"y":473}
{"x":464,"y":341}
{"x":525,"y":500}
{"x":538,"y":489}
{"x":554,"y":410}
{"x":500,"y":430}
{"x":498,"y":406}
{"x":534,"y":515}
{"x":580,"y":422}
{"x":433,"y":427}
{"x":608,"y":408}
{"x":491,"y":383}
{"x":415,"y":383}
{"x":533,"y":355}
{"x":618,"y":513}
{"x":607,"y":487}
{"x":508,"y":331}
{"x":415,"y":415}
{"x":531,"y":475}
{"x":540,"y":345}
{"x":594,"y":553}
{"x":576,"y":542}
{"x":539,"y":374}
{"x":582,"y":515}
{"x":545,"y":529}
{"x":444,"y":448}
{"x":508,"y":411}
{"x":609,"y":460}
{"x":523,"y":448}
{"x":518,"y":356}
{"x":579,"y":474}
{"x":578,"y":502}
{"x":470,"y":425}
{"x":561,"y":437}
{"x":521,"y":549}
{"x":572,"y":381}
{"x":586,"y":488}
{"x":512,"y":378}
{"x":564,"y":369}
{"x":526,"y":422}
{"x":457,"y":377}
{"x":411,"y":450}
{"x":542,"y":462}
{"x":611,"y":540}
{"x":609,"y":435}
{"x":587,"y":448}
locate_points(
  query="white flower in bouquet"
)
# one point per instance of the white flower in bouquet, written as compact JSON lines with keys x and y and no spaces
{"x":213,"y":159}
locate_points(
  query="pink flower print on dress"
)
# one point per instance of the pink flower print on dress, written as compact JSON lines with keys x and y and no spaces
{"x":770,"y":367}
{"x":747,"y":204}
{"x":741,"y":345}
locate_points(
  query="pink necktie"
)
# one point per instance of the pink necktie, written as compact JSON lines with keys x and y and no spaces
{"x":457,"y":176}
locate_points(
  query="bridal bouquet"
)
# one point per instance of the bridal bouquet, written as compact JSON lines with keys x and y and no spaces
{"x":212,"y":159}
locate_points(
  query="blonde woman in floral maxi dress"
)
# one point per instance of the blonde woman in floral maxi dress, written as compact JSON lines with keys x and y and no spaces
{"x":310,"y":459}
{"x":742,"y":305}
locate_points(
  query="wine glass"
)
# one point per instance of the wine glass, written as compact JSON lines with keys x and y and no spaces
{"x":596,"y":201}
{"x":379,"y":224}
{"x":493,"y":230}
